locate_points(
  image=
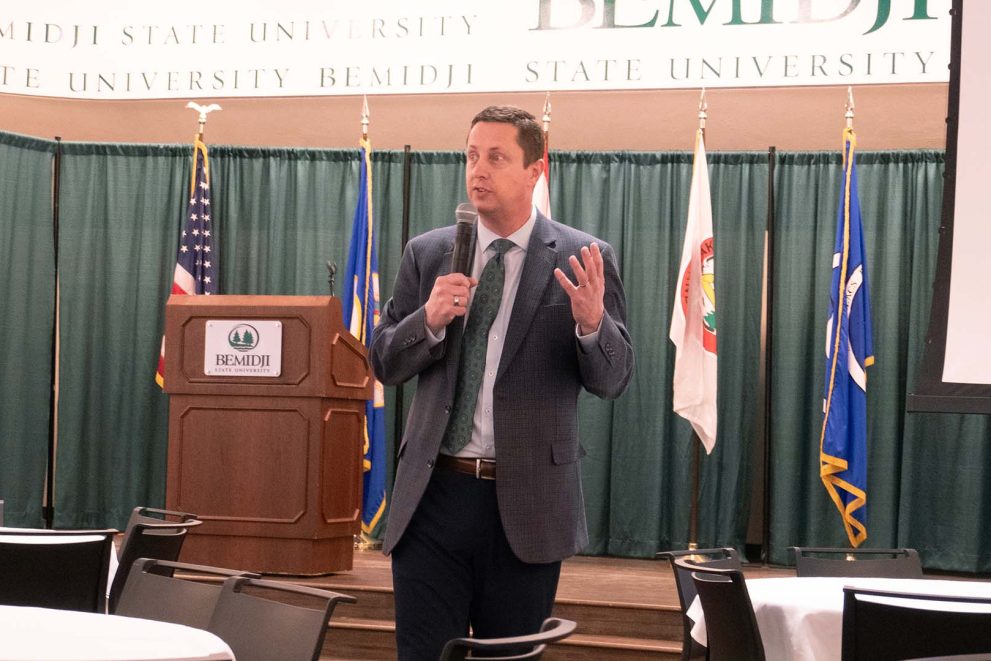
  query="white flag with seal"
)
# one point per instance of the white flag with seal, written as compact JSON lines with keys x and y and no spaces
{"x":693,"y":321}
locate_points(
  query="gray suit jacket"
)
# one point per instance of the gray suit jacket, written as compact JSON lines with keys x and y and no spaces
{"x":540,"y":374}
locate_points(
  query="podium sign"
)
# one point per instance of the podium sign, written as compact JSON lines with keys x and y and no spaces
{"x":267,"y":450}
{"x":243,"y":347}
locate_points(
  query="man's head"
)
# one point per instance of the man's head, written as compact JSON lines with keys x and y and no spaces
{"x":529,"y":135}
{"x":504,"y":154}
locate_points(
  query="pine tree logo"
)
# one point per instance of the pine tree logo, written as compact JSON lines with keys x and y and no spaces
{"x":243,"y":337}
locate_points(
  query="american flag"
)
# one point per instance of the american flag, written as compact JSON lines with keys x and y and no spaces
{"x":195,"y":268}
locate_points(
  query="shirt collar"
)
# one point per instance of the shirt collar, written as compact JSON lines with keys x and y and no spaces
{"x":520,"y":237}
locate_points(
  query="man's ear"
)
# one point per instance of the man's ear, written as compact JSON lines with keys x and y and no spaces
{"x":536,"y":169}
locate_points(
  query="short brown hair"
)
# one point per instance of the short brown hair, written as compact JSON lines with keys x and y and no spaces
{"x":529,"y":135}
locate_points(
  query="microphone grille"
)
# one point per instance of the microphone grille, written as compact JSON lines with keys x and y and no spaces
{"x":466,"y":213}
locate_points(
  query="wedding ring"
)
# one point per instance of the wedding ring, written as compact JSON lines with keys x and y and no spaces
{"x":457,"y":301}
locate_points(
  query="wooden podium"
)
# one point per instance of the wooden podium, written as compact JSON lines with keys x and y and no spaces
{"x":271,"y":463}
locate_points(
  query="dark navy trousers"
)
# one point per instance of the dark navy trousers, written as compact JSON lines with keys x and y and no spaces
{"x":454,"y":569}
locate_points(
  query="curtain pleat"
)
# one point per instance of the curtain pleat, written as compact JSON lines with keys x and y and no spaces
{"x":27,"y":313}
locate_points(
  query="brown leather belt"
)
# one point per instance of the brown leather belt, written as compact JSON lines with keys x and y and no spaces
{"x":482,"y":469}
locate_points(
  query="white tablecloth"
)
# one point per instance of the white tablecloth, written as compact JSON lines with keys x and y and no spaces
{"x":801,"y":619}
{"x":43,"y":634}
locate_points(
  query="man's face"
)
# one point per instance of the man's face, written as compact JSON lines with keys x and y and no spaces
{"x":498,"y":184}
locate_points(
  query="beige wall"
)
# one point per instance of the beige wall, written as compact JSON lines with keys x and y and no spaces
{"x":797,"y":118}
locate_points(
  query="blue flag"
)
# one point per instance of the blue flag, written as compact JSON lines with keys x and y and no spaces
{"x":361,"y":313}
{"x":849,"y":352}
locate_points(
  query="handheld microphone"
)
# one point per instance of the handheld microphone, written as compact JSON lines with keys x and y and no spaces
{"x":466,"y":216}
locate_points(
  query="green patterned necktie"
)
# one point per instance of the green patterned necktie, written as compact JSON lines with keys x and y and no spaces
{"x":474,"y":346}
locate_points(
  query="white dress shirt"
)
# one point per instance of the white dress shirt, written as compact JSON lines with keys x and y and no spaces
{"x":482,"y":443}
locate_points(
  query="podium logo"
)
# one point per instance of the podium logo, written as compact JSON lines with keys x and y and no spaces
{"x":243,"y":337}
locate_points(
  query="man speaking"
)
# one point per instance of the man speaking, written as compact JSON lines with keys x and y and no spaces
{"x":488,"y":498}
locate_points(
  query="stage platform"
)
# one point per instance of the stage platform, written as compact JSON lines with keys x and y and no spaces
{"x":625,"y":609}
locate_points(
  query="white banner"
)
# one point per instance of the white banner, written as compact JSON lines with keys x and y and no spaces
{"x":122,"y":49}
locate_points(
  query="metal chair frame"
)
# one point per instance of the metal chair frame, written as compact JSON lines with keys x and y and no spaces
{"x":886,"y":631}
{"x":153,"y":592}
{"x":261,"y":629}
{"x":732,"y":631}
{"x":531,"y":646}
{"x":722,"y":558}
{"x":149,"y":536}
{"x":874,"y":563}
{"x":45,"y":575}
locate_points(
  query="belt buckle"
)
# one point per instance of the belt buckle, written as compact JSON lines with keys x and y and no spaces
{"x":478,"y":469}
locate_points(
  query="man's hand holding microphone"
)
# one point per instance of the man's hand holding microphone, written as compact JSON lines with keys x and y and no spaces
{"x":450,"y":294}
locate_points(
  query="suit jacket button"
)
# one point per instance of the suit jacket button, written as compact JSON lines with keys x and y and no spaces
{"x":447,"y":409}
{"x":430,"y":463}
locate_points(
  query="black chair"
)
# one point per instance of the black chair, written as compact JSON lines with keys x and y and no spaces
{"x":881,"y":630}
{"x":531,"y":646}
{"x":722,"y":558}
{"x":874,"y":563}
{"x":730,"y":623}
{"x":56,"y":572}
{"x":153,"y":592}
{"x":258,"y":628}
{"x":150,"y":533}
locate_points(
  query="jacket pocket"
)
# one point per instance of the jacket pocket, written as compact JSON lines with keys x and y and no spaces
{"x":567,"y":452}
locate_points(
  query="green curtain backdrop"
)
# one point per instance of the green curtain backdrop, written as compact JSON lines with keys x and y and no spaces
{"x":638,"y":468}
{"x":281,"y":214}
{"x":27,"y":307}
{"x":120,"y":211}
{"x":927,"y":474}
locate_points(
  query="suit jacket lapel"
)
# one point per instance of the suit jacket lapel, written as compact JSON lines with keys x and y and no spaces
{"x":538,"y":270}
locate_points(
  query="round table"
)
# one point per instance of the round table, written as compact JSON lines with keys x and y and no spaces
{"x":801,"y":619}
{"x":44,"y":634}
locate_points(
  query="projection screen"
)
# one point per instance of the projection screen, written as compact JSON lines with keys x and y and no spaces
{"x":956,"y":367}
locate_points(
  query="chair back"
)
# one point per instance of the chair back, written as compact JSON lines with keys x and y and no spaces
{"x":873,"y":563}
{"x":722,"y":558}
{"x":150,"y":533}
{"x":730,"y":624}
{"x":530,"y":646}
{"x":258,"y":628}
{"x":153,"y":592}
{"x":882,"y":625}
{"x":64,"y":569}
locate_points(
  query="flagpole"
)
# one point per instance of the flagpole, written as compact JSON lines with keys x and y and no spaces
{"x":541,"y":195}
{"x":693,"y":525}
{"x":848,"y":116}
{"x":849,"y":107}
{"x":547,"y":116}
{"x":364,"y":118}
